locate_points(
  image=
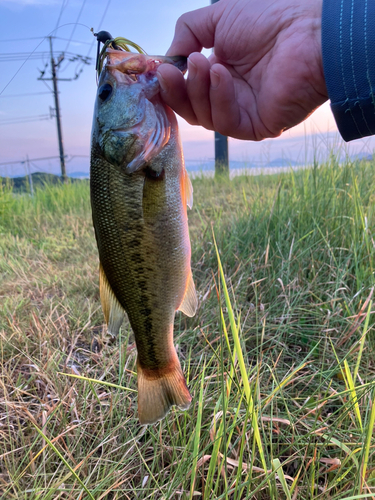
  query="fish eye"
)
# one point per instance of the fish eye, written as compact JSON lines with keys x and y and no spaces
{"x":105,"y":91}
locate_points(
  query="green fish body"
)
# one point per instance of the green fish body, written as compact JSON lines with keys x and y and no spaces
{"x":139,"y":193}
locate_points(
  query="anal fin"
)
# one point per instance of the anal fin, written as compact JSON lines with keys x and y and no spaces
{"x":113,"y":312}
{"x":189,"y":303}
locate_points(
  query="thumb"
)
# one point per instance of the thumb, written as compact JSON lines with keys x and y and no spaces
{"x":194,"y":30}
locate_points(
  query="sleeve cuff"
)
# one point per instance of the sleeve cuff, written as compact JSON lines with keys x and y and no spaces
{"x":348,"y":46}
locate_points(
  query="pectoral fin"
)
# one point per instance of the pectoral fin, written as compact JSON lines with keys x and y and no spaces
{"x":113,"y":312}
{"x":190,"y":301}
{"x":189,"y":191}
{"x":186,"y":188}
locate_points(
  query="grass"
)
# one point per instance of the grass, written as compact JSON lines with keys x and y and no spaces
{"x":279,"y":357}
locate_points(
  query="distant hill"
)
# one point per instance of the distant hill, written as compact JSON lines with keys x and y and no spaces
{"x":21,"y":184}
{"x":209,"y":165}
{"x":196,"y":166}
{"x":362,"y":157}
{"x":79,"y":175}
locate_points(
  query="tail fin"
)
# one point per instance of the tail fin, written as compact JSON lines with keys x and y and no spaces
{"x":159,"y":389}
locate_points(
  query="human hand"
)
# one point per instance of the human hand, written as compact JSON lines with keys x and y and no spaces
{"x":266,"y":73}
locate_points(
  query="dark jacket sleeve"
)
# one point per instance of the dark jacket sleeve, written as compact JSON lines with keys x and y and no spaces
{"x":348,"y":44}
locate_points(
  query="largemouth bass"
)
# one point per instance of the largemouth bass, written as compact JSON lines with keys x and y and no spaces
{"x":139,"y":196}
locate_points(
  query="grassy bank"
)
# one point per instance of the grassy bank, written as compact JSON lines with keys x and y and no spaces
{"x":279,"y":357}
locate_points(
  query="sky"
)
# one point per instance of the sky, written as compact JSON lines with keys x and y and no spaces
{"x":26,"y":103}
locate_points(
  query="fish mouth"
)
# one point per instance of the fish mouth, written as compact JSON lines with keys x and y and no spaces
{"x":118,"y":48}
{"x":133,"y":64}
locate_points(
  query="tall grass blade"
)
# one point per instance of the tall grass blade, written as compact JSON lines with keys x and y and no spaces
{"x":102,"y":382}
{"x":241,"y":361}
{"x":284,"y":383}
{"x":219,"y":433}
{"x":369,"y":434}
{"x":197,"y":435}
{"x":277,"y":467}
{"x":353,"y":394}
{"x":53,"y":447}
{"x":362,"y":342}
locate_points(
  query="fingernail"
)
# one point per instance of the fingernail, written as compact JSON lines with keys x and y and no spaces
{"x":215,"y":79}
{"x":192,"y":69}
{"x":162,"y":82}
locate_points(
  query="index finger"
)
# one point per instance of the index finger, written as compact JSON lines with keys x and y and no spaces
{"x":195,"y":30}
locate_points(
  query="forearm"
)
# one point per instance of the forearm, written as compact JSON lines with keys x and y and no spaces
{"x":348,"y":45}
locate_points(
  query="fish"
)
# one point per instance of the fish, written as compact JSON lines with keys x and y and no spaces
{"x":140,"y":192}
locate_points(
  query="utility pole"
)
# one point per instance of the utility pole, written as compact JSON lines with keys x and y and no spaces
{"x":30,"y":177}
{"x":57,"y":107}
{"x":221,"y":150}
{"x":54,"y":65}
{"x":221,"y":155}
{"x":57,"y":111}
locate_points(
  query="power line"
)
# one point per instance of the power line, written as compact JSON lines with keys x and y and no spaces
{"x":24,"y":95}
{"x":63,"y":6}
{"x":78,"y":156}
{"x":19,"y":56}
{"x":19,"y":69}
{"x":25,"y":121}
{"x":73,"y":41}
{"x":104,"y":14}
{"x":43,"y":38}
{"x":74,"y":27}
{"x":16,"y":121}
{"x":46,"y":84}
{"x":67,"y":157}
{"x":21,"y":118}
{"x":40,"y":169}
{"x":99,"y":26}
{"x":22,"y":39}
{"x":18,"y":59}
{"x":22,"y":55}
{"x":14,"y":162}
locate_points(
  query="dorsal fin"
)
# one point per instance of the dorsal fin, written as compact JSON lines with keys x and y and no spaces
{"x":189,"y":303}
{"x":113,"y":312}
